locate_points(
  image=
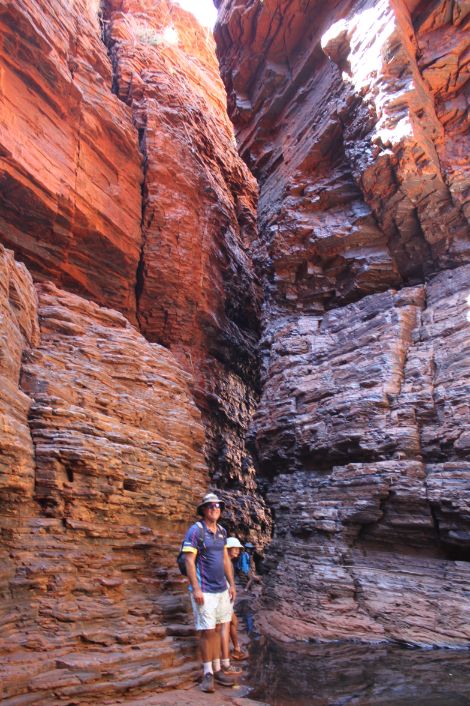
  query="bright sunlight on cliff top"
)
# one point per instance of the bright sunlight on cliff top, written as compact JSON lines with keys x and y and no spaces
{"x":203,"y":10}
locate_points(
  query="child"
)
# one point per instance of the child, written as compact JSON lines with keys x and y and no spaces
{"x":233,"y":547}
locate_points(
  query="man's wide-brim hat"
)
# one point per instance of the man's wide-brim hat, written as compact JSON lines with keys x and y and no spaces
{"x":210,"y":498}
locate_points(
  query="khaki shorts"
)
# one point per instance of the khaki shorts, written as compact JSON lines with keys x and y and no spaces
{"x":217,"y":608}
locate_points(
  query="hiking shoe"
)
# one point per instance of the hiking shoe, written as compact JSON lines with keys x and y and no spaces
{"x":232,"y":671}
{"x":221,"y":678}
{"x":207,"y":683}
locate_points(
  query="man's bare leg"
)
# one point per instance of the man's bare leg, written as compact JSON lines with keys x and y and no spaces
{"x":222,"y":633}
{"x":225,"y":640}
{"x":206,"y":640}
{"x":225,"y":650}
{"x":216,"y":648}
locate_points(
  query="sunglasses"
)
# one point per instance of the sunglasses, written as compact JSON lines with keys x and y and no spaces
{"x":213,"y":506}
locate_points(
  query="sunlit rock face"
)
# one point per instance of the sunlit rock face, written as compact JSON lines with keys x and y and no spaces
{"x":70,"y":166}
{"x":138,"y":201}
{"x":123,"y":197}
{"x":353,"y":117}
{"x":96,"y":430}
{"x":197,"y":291}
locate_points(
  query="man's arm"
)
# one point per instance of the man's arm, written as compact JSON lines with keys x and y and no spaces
{"x":228,"y":567}
{"x":190,"y":560}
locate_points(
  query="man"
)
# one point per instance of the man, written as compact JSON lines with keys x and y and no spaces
{"x":209,"y":570}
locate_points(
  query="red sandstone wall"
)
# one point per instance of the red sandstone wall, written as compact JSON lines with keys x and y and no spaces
{"x":102,"y":446}
{"x":353,"y":116}
{"x":166,"y":237}
{"x":99,"y":481}
{"x":197,"y":290}
{"x":70,"y":167}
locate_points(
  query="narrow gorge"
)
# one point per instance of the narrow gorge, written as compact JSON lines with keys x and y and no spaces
{"x":241,"y":262}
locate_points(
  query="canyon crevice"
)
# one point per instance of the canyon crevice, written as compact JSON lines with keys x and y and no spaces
{"x":298,"y":339}
{"x":202,"y":300}
{"x":129,"y":329}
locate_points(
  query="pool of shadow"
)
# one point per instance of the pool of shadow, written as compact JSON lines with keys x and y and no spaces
{"x":358,"y":675}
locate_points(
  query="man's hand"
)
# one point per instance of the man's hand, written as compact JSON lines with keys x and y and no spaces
{"x":232,"y":593}
{"x":198,"y":596}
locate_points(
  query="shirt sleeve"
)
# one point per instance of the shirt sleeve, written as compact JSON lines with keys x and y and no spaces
{"x":192,"y":540}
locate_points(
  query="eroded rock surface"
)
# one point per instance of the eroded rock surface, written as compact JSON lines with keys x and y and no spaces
{"x":19,"y":332}
{"x":70,"y":166}
{"x":358,"y":139}
{"x":197,"y":290}
{"x":354,"y":118}
{"x":92,"y":601}
{"x":386,"y":377}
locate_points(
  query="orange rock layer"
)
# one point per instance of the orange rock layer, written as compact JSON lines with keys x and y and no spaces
{"x":197,"y":291}
{"x":70,"y":167}
{"x":100,"y":475}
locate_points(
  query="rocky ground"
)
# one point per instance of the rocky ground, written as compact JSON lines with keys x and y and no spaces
{"x":191,"y":697}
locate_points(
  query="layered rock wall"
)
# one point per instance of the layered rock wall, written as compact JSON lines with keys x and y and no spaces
{"x":365,"y":420}
{"x":359,"y":138}
{"x":197,"y":290}
{"x":133,"y":218}
{"x":70,"y":166}
{"x":98,"y":485}
{"x":120,"y":181}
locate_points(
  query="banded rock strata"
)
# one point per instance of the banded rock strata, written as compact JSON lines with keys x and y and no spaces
{"x":197,"y":290}
{"x":70,"y":167}
{"x":359,"y":139}
{"x":104,"y":485}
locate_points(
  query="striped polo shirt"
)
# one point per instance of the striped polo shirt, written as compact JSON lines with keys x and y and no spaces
{"x":209,"y":547}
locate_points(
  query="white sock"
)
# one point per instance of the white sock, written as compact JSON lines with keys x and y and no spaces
{"x":216,"y":665}
{"x":226,"y":663}
{"x":207,"y":667}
